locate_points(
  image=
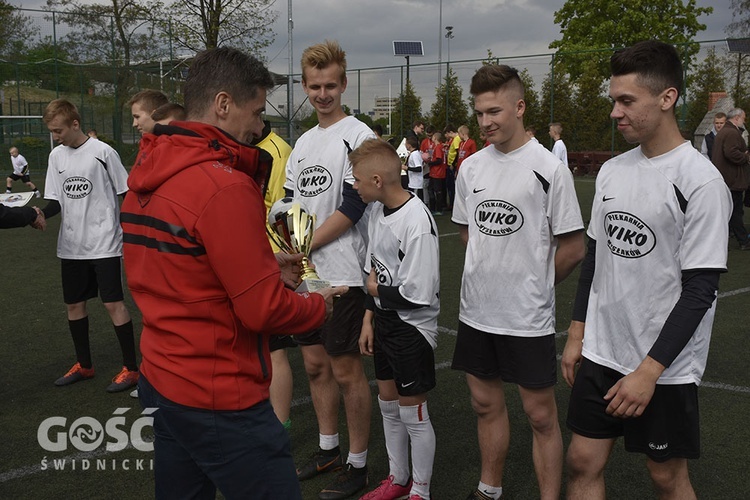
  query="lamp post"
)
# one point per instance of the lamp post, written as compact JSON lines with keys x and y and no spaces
{"x":449,"y":36}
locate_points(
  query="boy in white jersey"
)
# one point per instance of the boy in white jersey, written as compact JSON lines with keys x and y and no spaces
{"x":558,"y":148}
{"x":400,"y":324}
{"x":415,"y":167}
{"x":517,"y":212}
{"x":20,"y":171}
{"x":84,"y":177}
{"x":646,"y":297}
{"x":319,"y":174}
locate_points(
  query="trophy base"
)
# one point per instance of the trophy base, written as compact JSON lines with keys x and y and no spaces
{"x":312,"y":285}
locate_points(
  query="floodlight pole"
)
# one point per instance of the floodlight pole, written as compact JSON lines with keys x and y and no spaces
{"x":449,"y":36}
{"x":407,"y":69}
{"x":290,"y":78}
{"x":440,"y":41}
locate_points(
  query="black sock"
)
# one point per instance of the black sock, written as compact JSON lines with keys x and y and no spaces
{"x":79,"y":330}
{"x":127,"y":345}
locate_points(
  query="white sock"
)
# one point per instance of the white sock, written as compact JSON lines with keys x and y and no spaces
{"x":328,"y":442}
{"x":358,"y":460}
{"x":491,"y":491}
{"x":422,"y":435}
{"x":396,"y":441}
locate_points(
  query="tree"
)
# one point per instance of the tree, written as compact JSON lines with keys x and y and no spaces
{"x":740,"y":25}
{"x":40,"y":70}
{"x":205,"y":24}
{"x":533,"y":114}
{"x":557,"y":105}
{"x":457,"y":113}
{"x":596,"y":27}
{"x":408,"y":109}
{"x":16,"y":30}
{"x":708,"y":77}
{"x":116,"y":34}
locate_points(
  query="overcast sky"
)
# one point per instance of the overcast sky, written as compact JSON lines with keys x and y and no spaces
{"x":366,"y":30}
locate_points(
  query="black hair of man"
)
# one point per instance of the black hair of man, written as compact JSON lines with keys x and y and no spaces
{"x":223,"y":69}
{"x":656,"y":64}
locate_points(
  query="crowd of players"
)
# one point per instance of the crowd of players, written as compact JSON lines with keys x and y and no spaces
{"x":216,"y":299}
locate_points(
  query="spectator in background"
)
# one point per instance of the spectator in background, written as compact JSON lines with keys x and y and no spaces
{"x":417,"y":129}
{"x":415,"y":168}
{"x":467,"y":147}
{"x":730,"y":155}
{"x":558,"y":149}
{"x":92,"y":133}
{"x":531,"y":132}
{"x":20,"y":172}
{"x":438,"y":170}
{"x":707,"y":148}
{"x":142,"y":105}
{"x":378,"y":130}
{"x":453,"y":141}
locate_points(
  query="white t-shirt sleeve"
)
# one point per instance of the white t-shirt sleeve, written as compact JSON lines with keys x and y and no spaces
{"x":421,"y":255}
{"x":459,"y":203}
{"x":563,"y":210}
{"x":708,"y":211}
{"x":117,"y":172}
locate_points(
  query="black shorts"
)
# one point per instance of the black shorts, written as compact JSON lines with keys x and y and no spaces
{"x":402,"y":354}
{"x":277,"y":342}
{"x":84,"y":279}
{"x":24,"y":177}
{"x":668,"y":428}
{"x":530,"y":362}
{"x":340,"y":334}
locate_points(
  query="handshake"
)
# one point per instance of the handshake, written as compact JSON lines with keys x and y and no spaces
{"x":40,"y":222}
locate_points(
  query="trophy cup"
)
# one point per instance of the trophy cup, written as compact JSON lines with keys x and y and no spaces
{"x":291,"y":227}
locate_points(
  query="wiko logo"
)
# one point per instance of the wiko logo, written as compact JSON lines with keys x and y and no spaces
{"x":314,"y":180}
{"x":498,"y":218}
{"x":382,"y":273}
{"x":627,"y":235}
{"x":77,"y":187}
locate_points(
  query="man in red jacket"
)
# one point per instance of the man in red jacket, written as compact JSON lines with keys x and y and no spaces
{"x":202,"y":273}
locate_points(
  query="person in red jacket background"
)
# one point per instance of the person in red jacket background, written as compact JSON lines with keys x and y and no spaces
{"x":201,"y":271}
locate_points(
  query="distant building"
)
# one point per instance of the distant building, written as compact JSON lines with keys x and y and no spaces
{"x":384,"y":106}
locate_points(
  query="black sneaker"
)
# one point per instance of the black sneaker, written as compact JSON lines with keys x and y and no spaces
{"x":349,"y":481}
{"x":322,"y":461}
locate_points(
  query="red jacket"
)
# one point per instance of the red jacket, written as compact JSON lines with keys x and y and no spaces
{"x":201,"y":270}
{"x":466,"y":149}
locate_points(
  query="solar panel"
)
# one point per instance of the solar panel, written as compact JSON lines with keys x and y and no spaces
{"x":741,"y":45}
{"x":407,"y":48}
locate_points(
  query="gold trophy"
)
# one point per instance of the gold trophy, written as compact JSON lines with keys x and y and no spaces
{"x":291,"y":227}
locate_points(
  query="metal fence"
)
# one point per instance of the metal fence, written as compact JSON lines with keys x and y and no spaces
{"x":99,"y":79}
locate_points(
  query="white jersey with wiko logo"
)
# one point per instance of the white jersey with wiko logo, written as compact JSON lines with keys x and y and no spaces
{"x":513,"y":204}
{"x":316,"y":172}
{"x":86,"y":181}
{"x":404,"y":252}
{"x":652,"y":219}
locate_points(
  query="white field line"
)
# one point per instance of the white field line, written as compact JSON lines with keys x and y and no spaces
{"x":30,"y":470}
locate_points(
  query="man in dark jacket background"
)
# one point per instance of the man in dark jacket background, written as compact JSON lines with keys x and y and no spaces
{"x":730,"y":155}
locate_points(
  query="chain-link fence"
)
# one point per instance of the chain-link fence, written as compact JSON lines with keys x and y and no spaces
{"x":59,"y":60}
